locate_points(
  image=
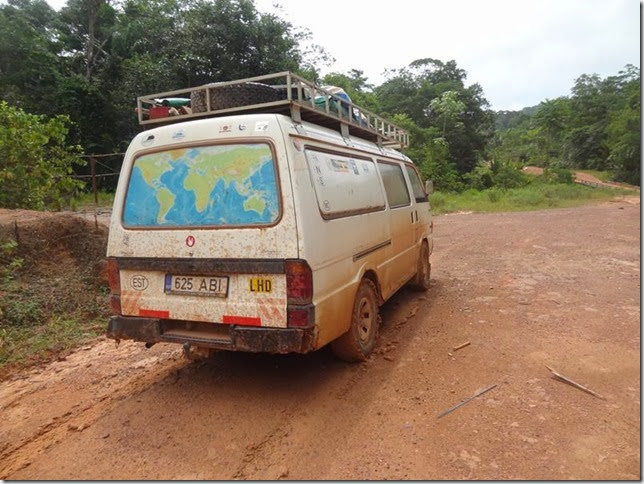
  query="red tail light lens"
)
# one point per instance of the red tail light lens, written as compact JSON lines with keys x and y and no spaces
{"x":113,"y":275}
{"x":300,"y":317}
{"x":299,"y":282}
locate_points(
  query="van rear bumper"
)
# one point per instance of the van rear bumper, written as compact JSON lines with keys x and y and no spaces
{"x":212,"y":335}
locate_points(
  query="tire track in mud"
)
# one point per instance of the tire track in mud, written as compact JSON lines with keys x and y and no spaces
{"x":82,"y":415}
{"x":269,"y":459}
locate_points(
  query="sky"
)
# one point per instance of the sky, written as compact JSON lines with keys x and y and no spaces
{"x":521,"y":52}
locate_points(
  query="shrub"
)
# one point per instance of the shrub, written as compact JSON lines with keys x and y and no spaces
{"x":497,"y":174}
{"x":35,"y":161}
{"x":494,"y":194}
{"x":558,"y":175}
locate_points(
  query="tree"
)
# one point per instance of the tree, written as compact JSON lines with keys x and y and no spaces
{"x":356,"y":86}
{"x":447,"y":106}
{"x":35,"y":160}
{"x":467,"y":128}
{"x":597,"y":126}
{"x":624,"y":129}
{"x":85,"y":27}
{"x":29,"y":66}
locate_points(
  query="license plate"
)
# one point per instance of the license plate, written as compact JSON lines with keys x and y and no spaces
{"x":216,"y":286}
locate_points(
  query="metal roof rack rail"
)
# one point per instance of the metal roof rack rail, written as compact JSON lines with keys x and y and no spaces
{"x":280,"y":93}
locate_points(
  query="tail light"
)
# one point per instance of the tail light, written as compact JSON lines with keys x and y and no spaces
{"x":299,"y":282}
{"x":299,"y":294}
{"x":114,"y":279}
{"x":300,"y":316}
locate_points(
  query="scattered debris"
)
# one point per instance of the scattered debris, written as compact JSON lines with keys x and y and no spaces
{"x":463,"y":402}
{"x":388,"y":358}
{"x":456,"y":348}
{"x":449,"y":354}
{"x":561,"y":378}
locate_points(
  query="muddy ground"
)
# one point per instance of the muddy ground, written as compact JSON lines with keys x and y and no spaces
{"x":558,"y":288}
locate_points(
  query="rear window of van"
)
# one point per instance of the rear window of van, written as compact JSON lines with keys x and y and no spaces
{"x":217,"y":185}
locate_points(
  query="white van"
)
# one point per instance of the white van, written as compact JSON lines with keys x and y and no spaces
{"x":265,"y":232}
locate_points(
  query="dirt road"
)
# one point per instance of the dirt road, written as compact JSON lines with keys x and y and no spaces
{"x":557,"y":288}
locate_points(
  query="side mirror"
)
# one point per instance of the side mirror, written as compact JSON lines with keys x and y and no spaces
{"x":429,"y":187}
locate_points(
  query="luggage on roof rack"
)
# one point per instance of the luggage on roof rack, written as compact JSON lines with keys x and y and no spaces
{"x":281,"y":93}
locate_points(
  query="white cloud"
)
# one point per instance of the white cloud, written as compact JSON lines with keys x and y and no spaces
{"x":520,"y":52}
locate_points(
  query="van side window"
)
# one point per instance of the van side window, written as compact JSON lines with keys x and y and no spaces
{"x":416,"y":185}
{"x":344,"y":185}
{"x":395,"y":185}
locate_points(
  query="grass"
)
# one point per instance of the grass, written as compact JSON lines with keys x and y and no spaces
{"x":51,"y":296}
{"x":532,"y":197}
{"x":85,"y":200}
{"x":605,"y":176}
{"x":21,"y":346}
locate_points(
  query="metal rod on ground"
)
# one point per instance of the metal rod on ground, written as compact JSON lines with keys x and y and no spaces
{"x":92,"y":164}
{"x":561,"y":378}
{"x":456,"y":348}
{"x":478,"y":394}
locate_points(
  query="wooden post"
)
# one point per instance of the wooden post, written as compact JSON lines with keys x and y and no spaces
{"x":92,"y":165}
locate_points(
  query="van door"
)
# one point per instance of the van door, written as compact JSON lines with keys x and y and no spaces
{"x":402,"y":259}
{"x":420,"y":204}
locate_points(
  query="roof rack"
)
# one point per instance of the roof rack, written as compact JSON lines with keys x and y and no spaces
{"x":281,"y":93}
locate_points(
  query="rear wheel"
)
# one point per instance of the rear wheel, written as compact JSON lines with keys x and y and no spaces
{"x":360,"y":340}
{"x":423,"y":273}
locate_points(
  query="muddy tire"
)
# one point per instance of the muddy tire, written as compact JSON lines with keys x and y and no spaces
{"x":420,"y":282}
{"x":359,"y":341}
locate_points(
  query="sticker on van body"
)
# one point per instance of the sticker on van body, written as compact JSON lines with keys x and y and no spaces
{"x":261,"y":126}
{"x":339,"y":166}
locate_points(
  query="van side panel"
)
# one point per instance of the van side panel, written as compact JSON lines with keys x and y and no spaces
{"x":339,"y":250}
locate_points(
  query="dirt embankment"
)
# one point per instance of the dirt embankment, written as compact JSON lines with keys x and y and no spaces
{"x":49,"y":275}
{"x":558,"y":288}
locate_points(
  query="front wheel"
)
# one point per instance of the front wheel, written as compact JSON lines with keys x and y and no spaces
{"x":359,"y":341}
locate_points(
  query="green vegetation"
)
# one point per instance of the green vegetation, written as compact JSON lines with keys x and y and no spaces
{"x":51,"y":298}
{"x":22,"y":346}
{"x":35,"y":160}
{"x":596,"y":128}
{"x":535,"y":196}
{"x":84,"y":200}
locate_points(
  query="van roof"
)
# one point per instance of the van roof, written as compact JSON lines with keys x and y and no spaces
{"x":282,"y":93}
{"x":304,"y":130}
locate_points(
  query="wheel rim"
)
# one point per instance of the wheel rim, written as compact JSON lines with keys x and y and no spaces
{"x":365,"y":320}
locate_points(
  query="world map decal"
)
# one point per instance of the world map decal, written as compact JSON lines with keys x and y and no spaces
{"x":203,"y":186}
